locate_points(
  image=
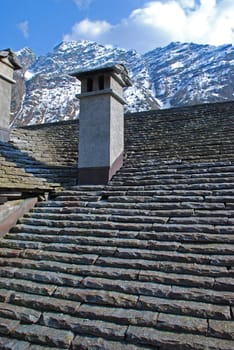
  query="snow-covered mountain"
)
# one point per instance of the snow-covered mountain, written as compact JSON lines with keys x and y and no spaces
{"x":175,"y":75}
{"x":50,"y":90}
{"x":185,"y":74}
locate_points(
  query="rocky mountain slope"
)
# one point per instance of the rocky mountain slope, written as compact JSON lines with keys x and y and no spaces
{"x":175,"y":75}
{"x":186,"y":74}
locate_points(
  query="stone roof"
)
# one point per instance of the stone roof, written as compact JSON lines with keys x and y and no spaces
{"x":38,"y":159}
{"x":145,"y":262}
{"x":14,"y":175}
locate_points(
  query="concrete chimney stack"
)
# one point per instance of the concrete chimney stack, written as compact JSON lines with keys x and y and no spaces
{"x":101,"y":138}
{"x":8,"y":63}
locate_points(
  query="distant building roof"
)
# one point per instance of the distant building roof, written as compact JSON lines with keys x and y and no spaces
{"x":8,"y":53}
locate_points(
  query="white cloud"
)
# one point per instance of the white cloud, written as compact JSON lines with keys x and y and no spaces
{"x":24,"y":28}
{"x":159,"y":22}
{"x":167,"y":19}
{"x":86,"y":29}
{"x":212,"y":22}
{"x":187,"y":3}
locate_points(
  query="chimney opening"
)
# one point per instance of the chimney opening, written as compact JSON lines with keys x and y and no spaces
{"x":89,"y":84}
{"x":101,"y":82}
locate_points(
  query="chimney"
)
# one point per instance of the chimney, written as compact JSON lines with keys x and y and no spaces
{"x":101,"y":138}
{"x":8,"y":63}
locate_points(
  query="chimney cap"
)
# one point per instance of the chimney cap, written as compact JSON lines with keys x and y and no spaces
{"x":118,"y":68}
{"x":8,"y":53}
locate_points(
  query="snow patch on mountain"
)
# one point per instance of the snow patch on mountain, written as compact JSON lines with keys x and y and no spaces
{"x":177,"y":65}
{"x":28,"y":75}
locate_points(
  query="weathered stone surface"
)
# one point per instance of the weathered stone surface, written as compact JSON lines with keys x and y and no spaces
{"x":177,"y":279}
{"x":44,"y":303}
{"x":7,"y":326}
{"x":180,"y":324}
{"x":19,"y":313}
{"x":9,"y":253}
{"x":40,"y":347}
{"x":193,"y":270}
{"x":13,"y":344}
{"x":88,"y":343}
{"x":49,"y":277}
{"x":204,"y":295}
{"x":44,"y":335}
{"x":4,"y":295}
{"x":221,"y":329}
{"x":173,"y":256}
{"x":168,"y":340}
{"x":26,"y":286}
{"x":60,"y":257}
{"x":184,"y":307}
{"x":130,"y":287}
{"x":224,"y":284}
{"x":119,"y":315}
{"x":108,"y":298}
{"x":85,"y":326}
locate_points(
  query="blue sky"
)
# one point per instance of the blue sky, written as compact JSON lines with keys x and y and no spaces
{"x":138,"y":24}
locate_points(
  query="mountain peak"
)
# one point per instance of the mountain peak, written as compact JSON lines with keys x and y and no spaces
{"x":69,"y":45}
{"x":24,"y":51}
